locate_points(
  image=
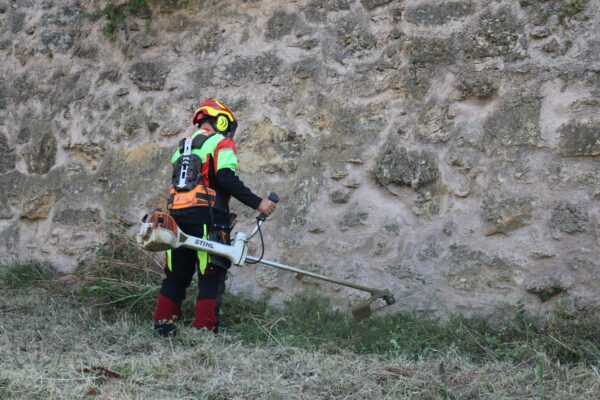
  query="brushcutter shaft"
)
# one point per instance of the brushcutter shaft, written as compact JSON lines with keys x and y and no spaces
{"x":284,"y":267}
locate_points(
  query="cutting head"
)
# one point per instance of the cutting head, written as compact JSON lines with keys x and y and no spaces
{"x":363,"y":310}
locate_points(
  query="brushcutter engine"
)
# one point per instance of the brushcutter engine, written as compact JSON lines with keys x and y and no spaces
{"x":159,"y":232}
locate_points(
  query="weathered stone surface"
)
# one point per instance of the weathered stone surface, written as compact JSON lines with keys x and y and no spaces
{"x":498,"y":35}
{"x":434,"y":125}
{"x":424,"y":51}
{"x":37,"y":208}
{"x":372,"y":4}
{"x":579,"y":139}
{"x":5,"y":210}
{"x":397,"y":165}
{"x":350,"y":36}
{"x":477,"y":85}
{"x":315,"y":84}
{"x":502,"y":213}
{"x":10,"y":238}
{"x":41,"y":156}
{"x":67,"y":88}
{"x":89,"y":153}
{"x":516,"y":123}
{"x":149,"y":75}
{"x":209,"y":42}
{"x":139,"y":43}
{"x":437,"y":14}
{"x":271,"y":149}
{"x":474,"y":270}
{"x":279,"y":25}
{"x":57,"y":41}
{"x":259,"y":69}
{"x":546,"y":288}
{"x":340,"y":197}
{"x":111,"y":74}
{"x":170,"y":6}
{"x":350,"y":128}
{"x":411,"y":83}
{"x":68,"y":15}
{"x":7,"y":156}
{"x":568,"y":218}
{"x":72,"y":216}
{"x":353,"y":217}
{"x":316,"y":10}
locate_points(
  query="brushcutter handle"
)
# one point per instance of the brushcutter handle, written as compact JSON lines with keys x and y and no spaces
{"x":275,"y":199}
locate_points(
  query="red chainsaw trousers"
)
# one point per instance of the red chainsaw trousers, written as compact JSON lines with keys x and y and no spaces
{"x":179,"y":273}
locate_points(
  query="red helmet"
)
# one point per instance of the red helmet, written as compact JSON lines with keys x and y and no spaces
{"x":221,"y":116}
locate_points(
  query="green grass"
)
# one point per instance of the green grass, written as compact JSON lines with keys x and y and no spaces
{"x":122,"y":277}
{"x":24,"y":275}
{"x":119,"y":281}
{"x":311,"y":323}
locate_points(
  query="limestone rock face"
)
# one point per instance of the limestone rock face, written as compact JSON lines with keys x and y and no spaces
{"x":400,"y":166}
{"x":446,"y":150}
{"x":503,"y":214}
{"x":37,"y":208}
{"x":580,"y":139}
{"x":8,"y":157}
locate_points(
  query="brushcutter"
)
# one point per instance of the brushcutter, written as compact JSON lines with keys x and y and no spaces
{"x":159,"y":232}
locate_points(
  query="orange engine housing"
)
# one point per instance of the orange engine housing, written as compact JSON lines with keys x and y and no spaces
{"x":160,"y":219}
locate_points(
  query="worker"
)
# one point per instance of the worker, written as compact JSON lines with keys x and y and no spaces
{"x":203,"y":181}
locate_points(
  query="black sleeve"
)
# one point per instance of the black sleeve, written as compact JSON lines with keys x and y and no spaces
{"x":232,"y":185}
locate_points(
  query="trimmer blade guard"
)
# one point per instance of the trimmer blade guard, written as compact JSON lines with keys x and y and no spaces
{"x":158,"y":232}
{"x":363,"y":309}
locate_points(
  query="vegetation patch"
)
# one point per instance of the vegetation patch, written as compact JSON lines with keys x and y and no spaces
{"x":100,"y":343}
{"x":25,"y":275}
{"x":116,"y":15}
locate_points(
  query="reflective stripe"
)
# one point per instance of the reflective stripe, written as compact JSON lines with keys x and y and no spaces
{"x":169,"y":261}
{"x":203,"y":257}
{"x":226,"y":158}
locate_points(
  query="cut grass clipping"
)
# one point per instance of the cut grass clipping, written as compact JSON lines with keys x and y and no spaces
{"x":124,"y":277}
{"x":121,"y":274}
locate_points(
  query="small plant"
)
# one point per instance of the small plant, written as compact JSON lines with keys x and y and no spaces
{"x":116,"y":16}
{"x":25,"y":275}
{"x":572,"y":7}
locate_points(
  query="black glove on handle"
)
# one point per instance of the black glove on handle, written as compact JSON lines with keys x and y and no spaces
{"x":275,"y":199}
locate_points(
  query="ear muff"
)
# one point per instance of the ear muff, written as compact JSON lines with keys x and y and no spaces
{"x":232,"y":129}
{"x":222,"y":123}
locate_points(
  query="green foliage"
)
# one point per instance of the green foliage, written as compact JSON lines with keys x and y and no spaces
{"x":311,"y":323}
{"x":125,"y":277}
{"x":25,"y":275}
{"x":573,"y":7}
{"x":115,"y":16}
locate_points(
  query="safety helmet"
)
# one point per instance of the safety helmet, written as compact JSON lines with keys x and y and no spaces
{"x":221,"y":116}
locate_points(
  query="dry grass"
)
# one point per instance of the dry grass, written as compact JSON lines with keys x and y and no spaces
{"x":52,"y":347}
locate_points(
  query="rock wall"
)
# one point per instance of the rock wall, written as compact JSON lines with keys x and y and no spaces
{"x":446,"y":150}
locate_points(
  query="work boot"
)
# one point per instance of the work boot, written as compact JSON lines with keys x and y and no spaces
{"x":165,"y":330}
{"x":206,"y":315}
{"x":167,"y":312}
